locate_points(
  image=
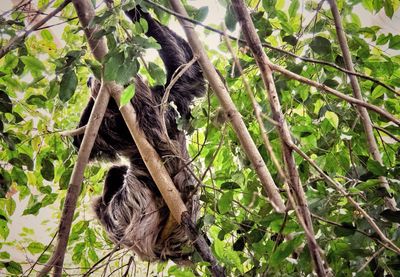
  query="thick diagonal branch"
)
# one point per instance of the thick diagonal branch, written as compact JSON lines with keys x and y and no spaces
{"x":293,"y":179}
{"x":231,"y":111}
{"x":151,"y":158}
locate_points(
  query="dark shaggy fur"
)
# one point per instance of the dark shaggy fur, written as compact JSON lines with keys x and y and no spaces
{"x":131,"y":208}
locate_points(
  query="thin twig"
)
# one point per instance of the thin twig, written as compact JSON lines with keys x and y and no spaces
{"x":258,"y":113}
{"x":344,"y":193}
{"x":13,"y":43}
{"x":72,"y":133}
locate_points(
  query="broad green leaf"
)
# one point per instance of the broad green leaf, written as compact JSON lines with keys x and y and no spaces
{"x":13,"y":267}
{"x":112,"y":65}
{"x":127,"y":94}
{"x":230,"y":18}
{"x":10,"y":206}
{"x":225,"y":202}
{"x":4,"y":255}
{"x":283,"y":251}
{"x":4,"y":231}
{"x":293,"y":7}
{"x":157,"y":73}
{"x":33,"y":63}
{"x":64,"y":179}
{"x":332,"y":118}
{"x":348,"y":229}
{"x":54,"y":89}
{"x":68,"y":85}
{"x":47,"y":169}
{"x":201,"y":14}
{"x":388,"y":6}
{"x":230,"y":185}
{"x":36,"y":247}
{"x":376,"y":168}
{"x":394,"y":42}
{"x":321,"y":45}
{"x":33,"y":209}
{"x":46,"y":35}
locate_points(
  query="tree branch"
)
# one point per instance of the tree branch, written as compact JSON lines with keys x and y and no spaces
{"x":232,"y":113}
{"x":321,"y":267}
{"x":344,"y":193}
{"x":365,"y":119}
{"x":13,"y":43}
{"x":277,"y":49}
{"x":149,"y":155}
{"x":257,"y":112}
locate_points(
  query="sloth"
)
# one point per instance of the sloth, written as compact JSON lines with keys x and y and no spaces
{"x":131,"y":208}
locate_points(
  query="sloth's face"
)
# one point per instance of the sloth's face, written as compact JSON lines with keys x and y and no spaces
{"x":94,"y":86}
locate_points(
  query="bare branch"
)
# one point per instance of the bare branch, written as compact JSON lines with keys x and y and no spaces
{"x":277,"y":49}
{"x":72,"y":133}
{"x":303,"y":213}
{"x":364,"y":116}
{"x":257,"y":112}
{"x":13,"y":43}
{"x":149,"y":155}
{"x":232,"y":113}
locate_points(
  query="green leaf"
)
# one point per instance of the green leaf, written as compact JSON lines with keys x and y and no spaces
{"x":68,"y":85}
{"x":4,"y":255}
{"x":321,"y":45}
{"x":332,"y":118}
{"x":46,"y":35}
{"x":294,"y":6}
{"x":144,"y":25}
{"x":10,"y":206}
{"x":34,"y":209}
{"x":201,"y":14}
{"x":5,"y":102}
{"x":127,"y":94}
{"x":394,"y":42}
{"x":64,"y":179}
{"x":225,"y":202}
{"x":283,"y":251}
{"x":157,"y":73}
{"x":392,"y":216}
{"x":4,"y":231}
{"x":54,"y":89}
{"x":95,"y":67}
{"x":37,"y":100}
{"x":230,"y":18}
{"x":112,"y":64}
{"x":47,"y":169}
{"x":388,"y":7}
{"x":26,"y":160}
{"x":36,"y":247}
{"x":230,"y":185}
{"x":376,"y":168}
{"x":13,"y":267}
{"x":33,"y":63}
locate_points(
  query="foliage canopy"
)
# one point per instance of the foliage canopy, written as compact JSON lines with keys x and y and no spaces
{"x":43,"y":90}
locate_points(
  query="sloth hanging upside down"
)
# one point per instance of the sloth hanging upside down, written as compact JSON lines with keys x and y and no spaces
{"x":131,"y":208}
